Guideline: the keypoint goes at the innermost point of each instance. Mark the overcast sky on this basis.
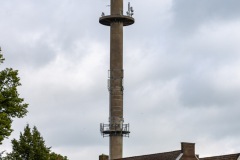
(181, 62)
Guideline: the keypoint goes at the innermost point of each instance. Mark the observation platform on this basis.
(114, 130)
(107, 20)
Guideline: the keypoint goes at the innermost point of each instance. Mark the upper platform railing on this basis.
(125, 19)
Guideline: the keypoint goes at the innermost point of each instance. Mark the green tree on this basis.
(31, 146)
(1, 153)
(11, 105)
(54, 156)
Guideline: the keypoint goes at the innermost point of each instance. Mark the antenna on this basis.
(130, 11)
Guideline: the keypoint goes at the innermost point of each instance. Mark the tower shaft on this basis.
(116, 86)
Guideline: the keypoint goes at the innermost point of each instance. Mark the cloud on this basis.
(211, 65)
(189, 15)
(181, 61)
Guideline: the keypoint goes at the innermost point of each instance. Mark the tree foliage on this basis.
(54, 156)
(31, 146)
(11, 105)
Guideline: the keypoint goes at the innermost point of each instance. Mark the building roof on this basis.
(223, 157)
(159, 156)
(187, 152)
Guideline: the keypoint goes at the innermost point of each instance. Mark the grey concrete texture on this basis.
(116, 7)
(116, 147)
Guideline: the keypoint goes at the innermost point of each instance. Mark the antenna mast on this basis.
(116, 129)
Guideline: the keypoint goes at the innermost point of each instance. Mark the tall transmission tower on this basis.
(116, 129)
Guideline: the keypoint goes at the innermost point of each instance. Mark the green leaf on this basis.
(11, 105)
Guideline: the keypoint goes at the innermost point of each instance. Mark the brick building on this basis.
(187, 152)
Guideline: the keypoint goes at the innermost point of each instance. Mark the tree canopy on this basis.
(31, 146)
(11, 105)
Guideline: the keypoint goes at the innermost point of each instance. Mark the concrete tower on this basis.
(116, 129)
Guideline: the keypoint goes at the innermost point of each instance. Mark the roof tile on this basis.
(159, 156)
(223, 157)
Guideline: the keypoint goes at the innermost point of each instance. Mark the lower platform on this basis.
(114, 130)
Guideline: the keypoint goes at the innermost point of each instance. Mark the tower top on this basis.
(117, 15)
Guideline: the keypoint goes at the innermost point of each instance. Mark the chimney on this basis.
(188, 151)
(103, 157)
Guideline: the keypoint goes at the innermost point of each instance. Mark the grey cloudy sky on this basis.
(182, 79)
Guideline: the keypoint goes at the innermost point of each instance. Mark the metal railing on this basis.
(114, 130)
